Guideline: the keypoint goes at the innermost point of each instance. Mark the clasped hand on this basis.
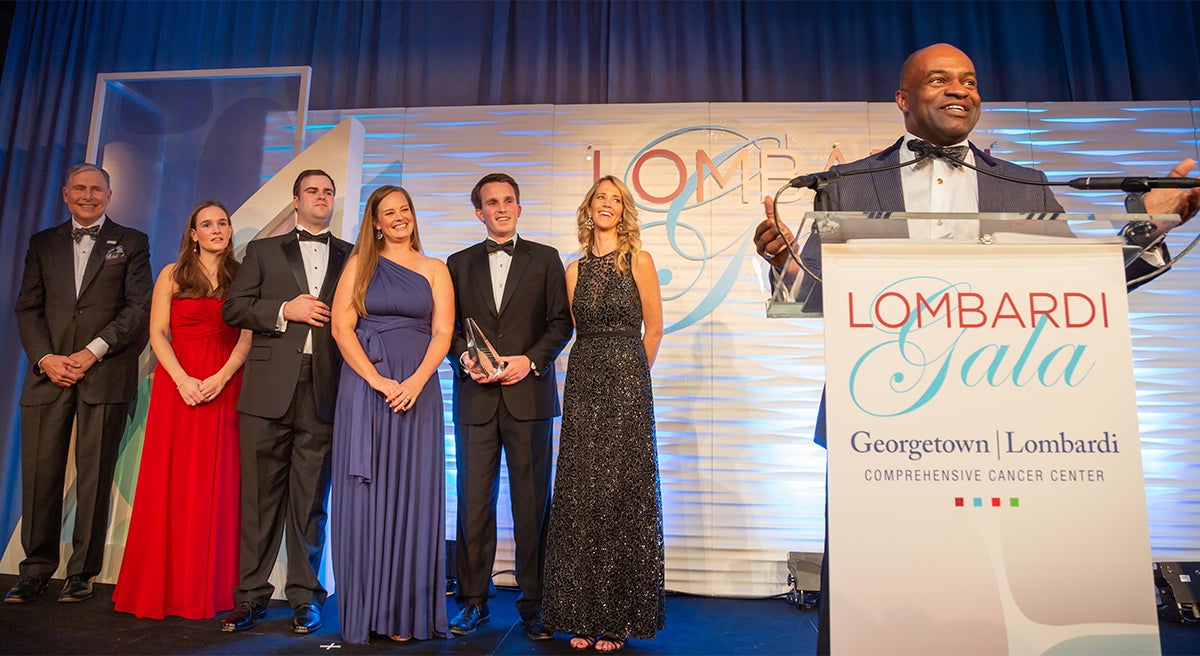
(66, 370)
(195, 391)
(399, 395)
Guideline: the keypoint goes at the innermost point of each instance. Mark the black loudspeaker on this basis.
(804, 575)
(1178, 586)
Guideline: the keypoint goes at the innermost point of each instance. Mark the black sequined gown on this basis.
(604, 549)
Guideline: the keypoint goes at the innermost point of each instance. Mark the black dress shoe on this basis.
(534, 629)
(26, 590)
(307, 618)
(76, 589)
(469, 618)
(243, 616)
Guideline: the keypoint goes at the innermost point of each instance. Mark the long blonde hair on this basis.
(368, 248)
(629, 231)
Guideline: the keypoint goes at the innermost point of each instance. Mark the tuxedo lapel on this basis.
(991, 196)
(337, 257)
(291, 253)
(520, 262)
(480, 272)
(107, 240)
(62, 261)
(888, 188)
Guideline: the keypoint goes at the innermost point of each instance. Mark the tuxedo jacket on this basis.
(113, 304)
(534, 319)
(272, 272)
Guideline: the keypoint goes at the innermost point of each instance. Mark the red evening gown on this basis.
(181, 555)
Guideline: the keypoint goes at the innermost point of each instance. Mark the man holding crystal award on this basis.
(512, 319)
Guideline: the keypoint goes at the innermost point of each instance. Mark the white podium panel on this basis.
(985, 478)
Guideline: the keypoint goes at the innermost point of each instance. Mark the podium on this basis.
(802, 298)
(985, 483)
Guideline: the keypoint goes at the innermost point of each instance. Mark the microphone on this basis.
(1134, 184)
(813, 180)
(922, 148)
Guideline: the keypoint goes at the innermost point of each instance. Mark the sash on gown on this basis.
(366, 421)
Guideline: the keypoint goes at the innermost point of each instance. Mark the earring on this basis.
(378, 235)
(197, 244)
(588, 224)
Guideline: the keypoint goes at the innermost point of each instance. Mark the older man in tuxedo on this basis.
(515, 290)
(282, 292)
(83, 313)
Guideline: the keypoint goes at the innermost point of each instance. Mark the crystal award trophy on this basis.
(487, 363)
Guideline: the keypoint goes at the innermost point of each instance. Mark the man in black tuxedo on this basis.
(939, 97)
(83, 313)
(516, 292)
(282, 293)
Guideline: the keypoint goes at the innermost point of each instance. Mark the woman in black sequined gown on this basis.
(604, 549)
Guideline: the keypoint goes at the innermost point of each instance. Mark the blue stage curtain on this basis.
(438, 53)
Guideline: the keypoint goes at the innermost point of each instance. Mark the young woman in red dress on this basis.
(181, 554)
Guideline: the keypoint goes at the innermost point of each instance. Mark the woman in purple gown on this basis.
(393, 315)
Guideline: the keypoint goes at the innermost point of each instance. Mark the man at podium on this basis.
(939, 98)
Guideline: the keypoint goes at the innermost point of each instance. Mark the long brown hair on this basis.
(368, 248)
(190, 281)
(629, 231)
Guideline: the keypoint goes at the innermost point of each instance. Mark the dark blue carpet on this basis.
(695, 625)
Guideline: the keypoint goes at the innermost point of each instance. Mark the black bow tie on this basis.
(305, 235)
(78, 233)
(492, 246)
(953, 154)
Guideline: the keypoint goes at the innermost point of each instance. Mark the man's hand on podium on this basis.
(1184, 202)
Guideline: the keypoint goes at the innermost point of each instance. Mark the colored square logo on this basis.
(978, 502)
(1014, 502)
(995, 502)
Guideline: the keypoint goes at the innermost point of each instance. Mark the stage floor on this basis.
(695, 625)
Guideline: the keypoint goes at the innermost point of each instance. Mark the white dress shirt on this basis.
(315, 255)
(936, 185)
(83, 251)
(499, 263)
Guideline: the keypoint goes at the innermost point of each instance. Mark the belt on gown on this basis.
(365, 423)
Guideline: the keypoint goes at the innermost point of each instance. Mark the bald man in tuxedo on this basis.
(939, 98)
